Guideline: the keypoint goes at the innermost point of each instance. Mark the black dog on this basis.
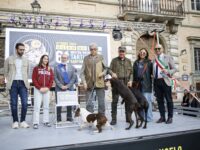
(128, 98)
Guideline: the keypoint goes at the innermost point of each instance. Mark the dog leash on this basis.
(89, 101)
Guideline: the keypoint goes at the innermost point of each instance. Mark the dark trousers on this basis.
(162, 90)
(59, 110)
(18, 88)
(69, 112)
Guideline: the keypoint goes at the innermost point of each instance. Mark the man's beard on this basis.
(20, 54)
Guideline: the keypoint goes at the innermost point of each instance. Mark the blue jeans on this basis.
(148, 96)
(18, 88)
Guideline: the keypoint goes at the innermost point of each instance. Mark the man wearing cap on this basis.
(92, 75)
(163, 69)
(121, 68)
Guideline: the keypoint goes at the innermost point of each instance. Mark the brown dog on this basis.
(92, 119)
(144, 105)
(129, 98)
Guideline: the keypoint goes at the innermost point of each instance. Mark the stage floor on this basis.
(14, 139)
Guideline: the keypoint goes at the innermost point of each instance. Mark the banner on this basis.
(55, 43)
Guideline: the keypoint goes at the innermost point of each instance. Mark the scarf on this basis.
(64, 74)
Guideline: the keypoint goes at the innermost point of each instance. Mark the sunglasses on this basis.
(157, 49)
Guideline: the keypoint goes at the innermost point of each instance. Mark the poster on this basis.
(54, 43)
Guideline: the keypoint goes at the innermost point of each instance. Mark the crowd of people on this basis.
(146, 74)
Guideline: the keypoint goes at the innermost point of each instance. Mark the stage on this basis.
(183, 127)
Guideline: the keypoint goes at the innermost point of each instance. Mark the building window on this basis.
(197, 59)
(195, 4)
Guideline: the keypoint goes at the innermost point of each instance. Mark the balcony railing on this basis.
(158, 7)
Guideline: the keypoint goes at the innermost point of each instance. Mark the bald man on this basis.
(65, 78)
(163, 69)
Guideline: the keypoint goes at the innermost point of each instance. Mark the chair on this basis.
(66, 98)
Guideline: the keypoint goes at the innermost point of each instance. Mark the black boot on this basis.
(114, 121)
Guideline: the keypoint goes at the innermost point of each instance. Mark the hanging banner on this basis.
(55, 43)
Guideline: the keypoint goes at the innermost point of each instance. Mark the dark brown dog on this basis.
(128, 98)
(144, 105)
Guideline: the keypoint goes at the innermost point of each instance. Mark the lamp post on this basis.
(36, 10)
(35, 7)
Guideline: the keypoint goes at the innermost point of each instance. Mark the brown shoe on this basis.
(169, 120)
(161, 120)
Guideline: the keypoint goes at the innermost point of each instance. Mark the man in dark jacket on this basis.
(121, 68)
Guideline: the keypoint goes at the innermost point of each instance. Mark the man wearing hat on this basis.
(121, 68)
(163, 69)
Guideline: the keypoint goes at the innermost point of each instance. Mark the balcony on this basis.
(160, 11)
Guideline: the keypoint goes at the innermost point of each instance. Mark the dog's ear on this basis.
(77, 112)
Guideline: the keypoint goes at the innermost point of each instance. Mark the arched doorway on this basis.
(146, 41)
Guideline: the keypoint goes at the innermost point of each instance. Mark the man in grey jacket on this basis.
(16, 69)
(65, 78)
(163, 69)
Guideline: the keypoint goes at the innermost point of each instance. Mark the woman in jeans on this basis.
(142, 69)
(42, 78)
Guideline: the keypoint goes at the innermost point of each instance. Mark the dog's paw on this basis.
(79, 129)
(96, 131)
(112, 128)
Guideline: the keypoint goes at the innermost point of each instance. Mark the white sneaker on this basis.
(15, 125)
(24, 125)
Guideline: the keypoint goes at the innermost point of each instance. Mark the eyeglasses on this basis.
(121, 51)
(93, 49)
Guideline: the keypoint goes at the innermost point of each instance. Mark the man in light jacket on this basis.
(92, 76)
(16, 69)
(163, 69)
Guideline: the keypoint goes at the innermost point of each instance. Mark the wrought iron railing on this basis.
(158, 7)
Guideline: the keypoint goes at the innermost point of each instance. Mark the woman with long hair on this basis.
(42, 78)
(142, 78)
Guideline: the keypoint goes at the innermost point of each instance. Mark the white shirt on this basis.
(159, 70)
(18, 64)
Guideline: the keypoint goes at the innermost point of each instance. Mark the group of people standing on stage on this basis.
(144, 72)
(16, 72)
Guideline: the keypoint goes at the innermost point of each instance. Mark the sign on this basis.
(55, 43)
(143, 26)
(185, 77)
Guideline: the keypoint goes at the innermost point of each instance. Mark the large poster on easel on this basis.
(55, 43)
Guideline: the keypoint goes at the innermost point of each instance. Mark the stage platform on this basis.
(72, 138)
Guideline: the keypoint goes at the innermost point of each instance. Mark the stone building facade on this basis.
(181, 38)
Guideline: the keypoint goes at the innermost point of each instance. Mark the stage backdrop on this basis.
(55, 43)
